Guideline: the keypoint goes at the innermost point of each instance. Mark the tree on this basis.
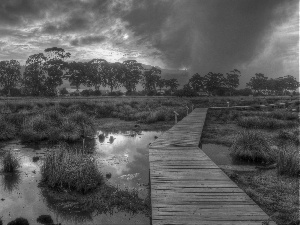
(10, 75)
(55, 66)
(64, 91)
(131, 74)
(214, 82)
(113, 75)
(161, 83)
(97, 72)
(232, 80)
(290, 83)
(172, 84)
(151, 79)
(258, 83)
(197, 82)
(35, 75)
(76, 73)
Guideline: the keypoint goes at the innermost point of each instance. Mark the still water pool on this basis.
(122, 158)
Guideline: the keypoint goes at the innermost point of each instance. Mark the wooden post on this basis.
(187, 110)
(176, 114)
(192, 107)
(227, 104)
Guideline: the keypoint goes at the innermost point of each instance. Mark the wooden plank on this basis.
(188, 188)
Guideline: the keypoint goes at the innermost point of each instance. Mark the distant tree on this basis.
(290, 83)
(97, 72)
(197, 82)
(232, 80)
(114, 75)
(131, 74)
(161, 83)
(76, 73)
(55, 66)
(258, 83)
(35, 75)
(214, 82)
(189, 90)
(64, 91)
(150, 79)
(172, 84)
(10, 75)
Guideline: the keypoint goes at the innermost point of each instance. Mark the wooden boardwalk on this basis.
(188, 188)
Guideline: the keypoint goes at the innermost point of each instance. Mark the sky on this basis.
(253, 36)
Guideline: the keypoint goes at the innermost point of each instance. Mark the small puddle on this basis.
(220, 155)
(123, 158)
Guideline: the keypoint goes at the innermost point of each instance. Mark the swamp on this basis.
(86, 161)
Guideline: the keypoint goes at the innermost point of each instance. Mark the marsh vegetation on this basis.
(269, 141)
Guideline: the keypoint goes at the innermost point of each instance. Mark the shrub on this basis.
(7, 130)
(252, 146)
(35, 129)
(10, 162)
(69, 131)
(54, 116)
(74, 171)
(283, 115)
(105, 110)
(288, 162)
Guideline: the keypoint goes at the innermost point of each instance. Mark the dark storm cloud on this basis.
(17, 11)
(206, 35)
(88, 40)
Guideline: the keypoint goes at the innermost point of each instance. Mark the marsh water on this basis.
(220, 155)
(122, 158)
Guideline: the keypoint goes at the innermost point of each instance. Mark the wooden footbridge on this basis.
(188, 188)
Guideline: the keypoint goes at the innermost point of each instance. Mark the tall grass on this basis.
(265, 123)
(288, 136)
(252, 146)
(10, 162)
(288, 162)
(63, 168)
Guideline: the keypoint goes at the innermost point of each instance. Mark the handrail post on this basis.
(192, 107)
(187, 110)
(176, 114)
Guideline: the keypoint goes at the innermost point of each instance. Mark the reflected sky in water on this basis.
(123, 155)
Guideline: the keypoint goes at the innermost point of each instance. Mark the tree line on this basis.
(218, 84)
(44, 72)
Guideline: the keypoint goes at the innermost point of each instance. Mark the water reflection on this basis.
(124, 199)
(66, 206)
(10, 181)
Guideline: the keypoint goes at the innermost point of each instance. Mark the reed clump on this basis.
(251, 145)
(288, 161)
(75, 171)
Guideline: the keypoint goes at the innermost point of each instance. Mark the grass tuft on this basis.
(74, 171)
(288, 162)
(252, 146)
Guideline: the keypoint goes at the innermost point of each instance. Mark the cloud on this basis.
(208, 35)
(88, 40)
(201, 35)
